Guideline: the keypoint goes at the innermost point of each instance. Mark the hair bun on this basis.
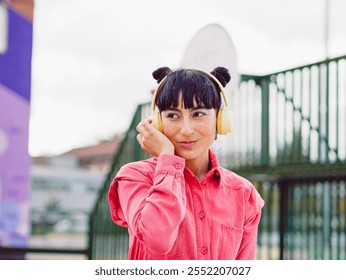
(160, 73)
(222, 74)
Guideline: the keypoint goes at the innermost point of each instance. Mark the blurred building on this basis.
(97, 157)
(65, 187)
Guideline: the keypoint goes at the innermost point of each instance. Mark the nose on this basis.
(187, 127)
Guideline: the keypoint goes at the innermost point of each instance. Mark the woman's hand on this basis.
(153, 141)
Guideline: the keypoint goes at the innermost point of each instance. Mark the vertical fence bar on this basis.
(309, 114)
(320, 136)
(310, 221)
(292, 132)
(247, 125)
(265, 123)
(334, 221)
(283, 217)
(284, 137)
(327, 111)
(304, 219)
(277, 125)
(261, 232)
(299, 116)
(270, 213)
(326, 219)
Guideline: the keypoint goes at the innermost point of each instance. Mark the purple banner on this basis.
(14, 169)
(15, 162)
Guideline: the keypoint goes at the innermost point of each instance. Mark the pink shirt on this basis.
(170, 214)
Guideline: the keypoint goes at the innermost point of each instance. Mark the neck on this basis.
(199, 167)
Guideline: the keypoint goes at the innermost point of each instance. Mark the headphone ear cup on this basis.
(224, 121)
(156, 121)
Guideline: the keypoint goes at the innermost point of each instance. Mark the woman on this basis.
(181, 204)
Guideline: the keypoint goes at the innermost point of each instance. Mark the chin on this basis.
(187, 155)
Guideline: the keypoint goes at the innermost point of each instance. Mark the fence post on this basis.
(137, 148)
(90, 236)
(265, 122)
(283, 188)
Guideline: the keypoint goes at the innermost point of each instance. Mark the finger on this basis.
(140, 127)
(145, 128)
(139, 138)
(143, 123)
(139, 124)
(146, 122)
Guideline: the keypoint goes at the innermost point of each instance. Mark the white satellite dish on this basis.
(212, 46)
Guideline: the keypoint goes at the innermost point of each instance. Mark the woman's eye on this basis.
(172, 116)
(199, 114)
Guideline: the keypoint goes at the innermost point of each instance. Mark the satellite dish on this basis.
(212, 46)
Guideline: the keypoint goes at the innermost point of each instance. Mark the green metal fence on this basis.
(290, 141)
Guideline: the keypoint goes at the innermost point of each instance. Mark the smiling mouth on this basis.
(187, 144)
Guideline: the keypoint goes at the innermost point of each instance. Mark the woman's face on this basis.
(192, 131)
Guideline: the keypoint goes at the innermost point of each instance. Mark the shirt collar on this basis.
(214, 162)
(215, 167)
(214, 173)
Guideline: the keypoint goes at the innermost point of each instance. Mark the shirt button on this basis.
(217, 173)
(204, 250)
(140, 235)
(201, 215)
(177, 166)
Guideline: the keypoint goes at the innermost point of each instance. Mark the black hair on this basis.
(194, 85)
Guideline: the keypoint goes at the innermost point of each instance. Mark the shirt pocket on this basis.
(230, 242)
(177, 248)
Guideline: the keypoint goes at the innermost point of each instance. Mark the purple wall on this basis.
(15, 86)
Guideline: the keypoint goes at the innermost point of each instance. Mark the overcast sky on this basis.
(92, 60)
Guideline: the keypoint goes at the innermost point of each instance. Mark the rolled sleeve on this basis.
(151, 203)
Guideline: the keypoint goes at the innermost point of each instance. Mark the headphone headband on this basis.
(221, 87)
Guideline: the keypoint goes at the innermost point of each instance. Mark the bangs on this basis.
(194, 87)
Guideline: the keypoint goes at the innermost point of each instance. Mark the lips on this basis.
(187, 144)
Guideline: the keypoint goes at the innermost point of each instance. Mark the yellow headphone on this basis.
(224, 122)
